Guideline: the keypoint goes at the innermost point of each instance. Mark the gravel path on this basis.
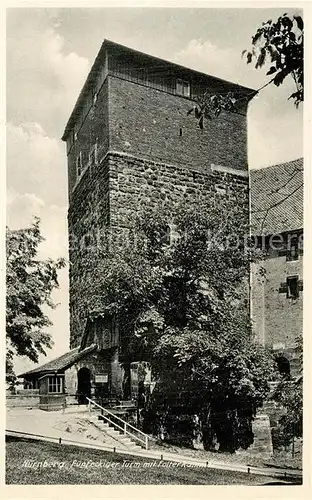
(71, 425)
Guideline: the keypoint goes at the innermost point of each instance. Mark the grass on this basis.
(281, 459)
(62, 464)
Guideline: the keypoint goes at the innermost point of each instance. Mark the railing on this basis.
(122, 426)
(172, 457)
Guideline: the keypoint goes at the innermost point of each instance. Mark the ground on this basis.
(62, 464)
(280, 459)
(73, 424)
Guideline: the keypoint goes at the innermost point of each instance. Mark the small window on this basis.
(79, 165)
(169, 235)
(183, 88)
(292, 287)
(166, 235)
(293, 248)
(221, 189)
(93, 155)
(55, 384)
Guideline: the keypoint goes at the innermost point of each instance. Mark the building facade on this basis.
(277, 280)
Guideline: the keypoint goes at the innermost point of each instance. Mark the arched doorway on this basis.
(283, 366)
(84, 385)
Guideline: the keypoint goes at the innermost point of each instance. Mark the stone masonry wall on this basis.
(97, 363)
(277, 319)
(149, 150)
(135, 183)
(88, 220)
(109, 196)
(155, 125)
(94, 129)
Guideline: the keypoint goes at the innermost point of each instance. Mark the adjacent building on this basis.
(277, 280)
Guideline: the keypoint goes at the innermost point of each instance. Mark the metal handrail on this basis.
(125, 424)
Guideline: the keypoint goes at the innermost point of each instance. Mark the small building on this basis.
(54, 382)
(87, 372)
(276, 294)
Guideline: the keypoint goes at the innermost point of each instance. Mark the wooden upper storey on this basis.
(116, 60)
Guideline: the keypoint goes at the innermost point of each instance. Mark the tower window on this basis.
(293, 248)
(166, 235)
(292, 287)
(79, 165)
(183, 88)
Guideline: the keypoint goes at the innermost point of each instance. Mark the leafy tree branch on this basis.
(29, 285)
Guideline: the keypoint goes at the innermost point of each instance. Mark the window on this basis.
(169, 234)
(293, 248)
(93, 155)
(220, 189)
(79, 165)
(292, 287)
(55, 384)
(166, 235)
(183, 88)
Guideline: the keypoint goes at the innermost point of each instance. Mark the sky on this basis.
(49, 54)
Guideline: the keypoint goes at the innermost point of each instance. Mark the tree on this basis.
(289, 395)
(180, 305)
(279, 43)
(29, 284)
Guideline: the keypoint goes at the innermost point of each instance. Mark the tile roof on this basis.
(276, 194)
(62, 362)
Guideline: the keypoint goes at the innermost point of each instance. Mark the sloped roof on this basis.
(277, 198)
(62, 362)
(108, 44)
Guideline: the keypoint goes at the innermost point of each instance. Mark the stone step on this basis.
(116, 434)
(125, 439)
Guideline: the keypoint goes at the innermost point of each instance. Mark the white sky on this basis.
(49, 54)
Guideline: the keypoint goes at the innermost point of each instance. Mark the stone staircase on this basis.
(122, 440)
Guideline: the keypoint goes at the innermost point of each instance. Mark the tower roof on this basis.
(118, 48)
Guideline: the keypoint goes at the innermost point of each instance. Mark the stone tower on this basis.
(131, 141)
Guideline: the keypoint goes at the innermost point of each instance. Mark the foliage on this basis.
(210, 105)
(29, 284)
(281, 43)
(223, 381)
(289, 394)
(184, 306)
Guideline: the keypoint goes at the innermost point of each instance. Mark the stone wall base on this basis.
(262, 445)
